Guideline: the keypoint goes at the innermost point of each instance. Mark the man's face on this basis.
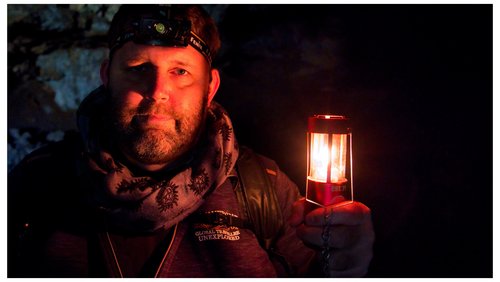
(159, 100)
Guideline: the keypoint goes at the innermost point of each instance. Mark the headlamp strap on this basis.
(201, 46)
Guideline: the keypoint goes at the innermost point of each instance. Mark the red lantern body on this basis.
(329, 160)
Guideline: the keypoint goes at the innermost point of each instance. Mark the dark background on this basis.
(416, 80)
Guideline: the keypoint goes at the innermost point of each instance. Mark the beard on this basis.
(160, 143)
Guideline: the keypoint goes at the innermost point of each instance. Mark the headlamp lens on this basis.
(160, 28)
(163, 32)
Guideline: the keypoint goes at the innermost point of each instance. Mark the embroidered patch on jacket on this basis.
(218, 229)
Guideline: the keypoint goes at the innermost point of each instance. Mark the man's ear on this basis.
(105, 72)
(214, 85)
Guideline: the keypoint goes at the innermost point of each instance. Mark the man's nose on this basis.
(160, 88)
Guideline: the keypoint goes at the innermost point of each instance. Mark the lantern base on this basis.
(325, 194)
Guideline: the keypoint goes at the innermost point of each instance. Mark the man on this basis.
(149, 188)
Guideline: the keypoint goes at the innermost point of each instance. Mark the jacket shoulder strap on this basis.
(257, 196)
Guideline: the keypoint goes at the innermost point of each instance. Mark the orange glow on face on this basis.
(322, 158)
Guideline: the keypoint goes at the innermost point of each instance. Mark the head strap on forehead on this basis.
(162, 31)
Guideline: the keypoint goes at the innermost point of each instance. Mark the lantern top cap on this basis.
(337, 117)
(329, 124)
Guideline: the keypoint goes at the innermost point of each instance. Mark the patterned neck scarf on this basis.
(142, 203)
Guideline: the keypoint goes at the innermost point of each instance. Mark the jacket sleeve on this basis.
(26, 204)
(34, 189)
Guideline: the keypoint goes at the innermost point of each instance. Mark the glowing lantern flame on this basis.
(329, 173)
(321, 158)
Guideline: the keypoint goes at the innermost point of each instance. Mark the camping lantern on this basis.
(329, 160)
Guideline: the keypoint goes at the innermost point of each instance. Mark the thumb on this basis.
(297, 216)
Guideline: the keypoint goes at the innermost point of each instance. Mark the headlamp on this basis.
(163, 32)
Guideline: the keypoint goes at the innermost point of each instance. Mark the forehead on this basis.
(131, 51)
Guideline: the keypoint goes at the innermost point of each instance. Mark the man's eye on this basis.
(180, 71)
(140, 68)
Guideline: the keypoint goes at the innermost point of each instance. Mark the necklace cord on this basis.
(166, 253)
(115, 257)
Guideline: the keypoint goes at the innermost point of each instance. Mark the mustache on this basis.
(152, 108)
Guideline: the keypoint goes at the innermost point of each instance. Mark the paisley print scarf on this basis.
(142, 203)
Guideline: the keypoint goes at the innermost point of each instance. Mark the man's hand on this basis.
(350, 237)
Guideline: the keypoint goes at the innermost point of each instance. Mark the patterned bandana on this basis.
(145, 203)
